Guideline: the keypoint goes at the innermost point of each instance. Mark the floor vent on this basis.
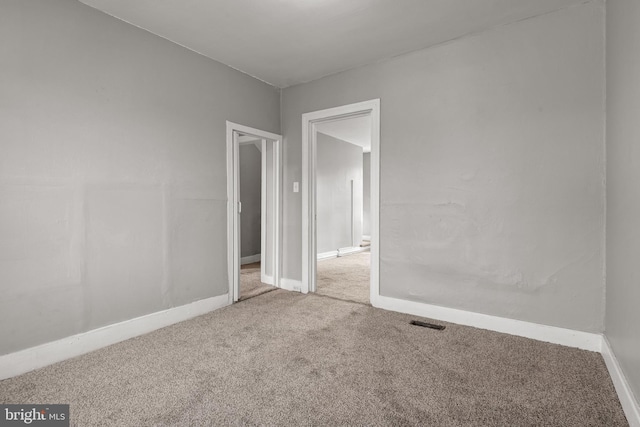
(427, 325)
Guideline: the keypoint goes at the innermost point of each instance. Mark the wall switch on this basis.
(296, 187)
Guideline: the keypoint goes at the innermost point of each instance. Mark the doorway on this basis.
(343, 257)
(311, 123)
(253, 258)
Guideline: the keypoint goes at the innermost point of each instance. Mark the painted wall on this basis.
(113, 170)
(492, 163)
(250, 164)
(623, 193)
(337, 163)
(366, 194)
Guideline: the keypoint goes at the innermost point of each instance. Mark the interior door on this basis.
(237, 210)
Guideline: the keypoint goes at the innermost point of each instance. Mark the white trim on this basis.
(374, 210)
(263, 208)
(568, 337)
(233, 235)
(276, 211)
(250, 259)
(366, 238)
(43, 355)
(309, 249)
(268, 280)
(352, 250)
(342, 252)
(290, 284)
(308, 206)
(625, 394)
(232, 254)
(327, 255)
(551, 334)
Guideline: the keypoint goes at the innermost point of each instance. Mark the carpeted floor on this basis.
(250, 284)
(346, 278)
(284, 358)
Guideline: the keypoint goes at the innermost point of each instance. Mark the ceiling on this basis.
(354, 130)
(286, 42)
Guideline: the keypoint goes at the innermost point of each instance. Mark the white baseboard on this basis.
(366, 238)
(267, 279)
(249, 259)
(552, 334)
(290, 284)
(342, 252)
(40, 356)
(352, 250)
(625, 394)
(327, 255)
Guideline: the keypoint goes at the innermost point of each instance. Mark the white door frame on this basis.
(233, 200)
(309, 250)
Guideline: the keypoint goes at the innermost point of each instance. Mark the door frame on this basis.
(309, 153)
(233, 200)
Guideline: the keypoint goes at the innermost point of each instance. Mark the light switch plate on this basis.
(296, 187)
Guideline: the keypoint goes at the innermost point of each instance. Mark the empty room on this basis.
(319, 212)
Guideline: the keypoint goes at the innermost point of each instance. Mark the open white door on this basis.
(237, 211)
(270, 205)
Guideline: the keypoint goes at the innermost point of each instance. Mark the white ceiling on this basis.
(356, 131)
(286, 42)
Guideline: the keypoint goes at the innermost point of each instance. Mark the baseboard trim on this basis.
(342, 252)
(43, 355)
(366, 238)
(327, 255)
(552, 334)
(625, 394)
(290, 284)
(267, 279)
(352, 250)
(250, 259)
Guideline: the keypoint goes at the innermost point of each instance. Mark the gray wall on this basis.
(366, 194)
(623, 192)
(338, 162)
(250, 164)
(113, 171)
(492, 163)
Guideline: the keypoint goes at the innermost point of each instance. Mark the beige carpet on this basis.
(250, 284)
(289, 359)
(346, 278)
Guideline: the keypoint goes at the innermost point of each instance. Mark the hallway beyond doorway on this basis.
(346, 277)
(250, 284)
